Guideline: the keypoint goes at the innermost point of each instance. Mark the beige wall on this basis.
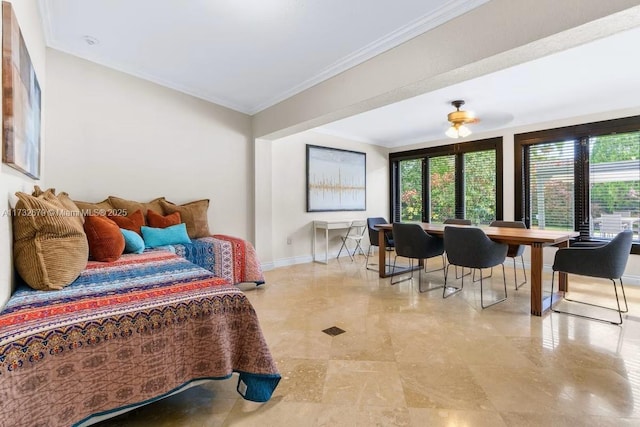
(290, 220)
(11, 180)
(113, 134)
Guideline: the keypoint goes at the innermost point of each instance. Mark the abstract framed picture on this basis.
(21, 100)
(336, 179)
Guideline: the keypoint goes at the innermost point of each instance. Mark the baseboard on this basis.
(285, 262)
(266, 266)
(632, 280)
(304, 259)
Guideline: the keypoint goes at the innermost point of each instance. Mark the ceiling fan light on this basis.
(452, 132)
(463, 131)
(458, 120)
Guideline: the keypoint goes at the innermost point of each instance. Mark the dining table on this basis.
(537, 239)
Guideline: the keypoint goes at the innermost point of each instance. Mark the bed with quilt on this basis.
(225, 256)
(127, 333)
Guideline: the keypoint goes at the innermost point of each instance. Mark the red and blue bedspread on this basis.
(225, 256)
(125, 333)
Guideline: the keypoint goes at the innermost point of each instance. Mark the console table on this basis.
(326, 226)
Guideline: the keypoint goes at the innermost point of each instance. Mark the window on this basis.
(614, 183)
(453, 181)
(480, 186)
(442, 185)
(411, 190)
(584, 178)
(551, 185)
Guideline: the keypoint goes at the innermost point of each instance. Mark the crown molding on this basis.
(446, 12)
(424, 23)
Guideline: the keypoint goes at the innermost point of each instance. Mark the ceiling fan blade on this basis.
(496, 118)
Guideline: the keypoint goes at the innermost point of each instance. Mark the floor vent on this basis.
(333, 331)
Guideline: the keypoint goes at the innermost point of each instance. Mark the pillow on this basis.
(97, 208)
(64, 198)
(106, 242)
(133, 243)
(37, 191)
(50, 246)
(159, 221)
(73, 209)
(193, 214)
(132, 222)
(129, 206)
(173, 235)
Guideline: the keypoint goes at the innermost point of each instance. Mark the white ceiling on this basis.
(248, 55)
(243, 54)
(600, 76)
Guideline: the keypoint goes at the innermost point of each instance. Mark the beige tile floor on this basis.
(410, 359)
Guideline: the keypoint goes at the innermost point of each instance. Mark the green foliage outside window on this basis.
(411, 190)
(623, 194)
(480, 186)
(443, 188)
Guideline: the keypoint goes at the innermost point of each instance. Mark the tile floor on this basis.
(410, 359)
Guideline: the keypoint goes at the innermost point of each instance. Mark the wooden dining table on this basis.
(535, 238)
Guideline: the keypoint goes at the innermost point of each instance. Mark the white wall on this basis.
(290, 220)
(113, 134)
(11, 180)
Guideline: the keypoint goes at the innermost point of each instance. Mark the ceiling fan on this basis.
(458, 120)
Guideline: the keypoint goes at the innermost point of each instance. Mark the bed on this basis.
(124, 334)
(225, 256)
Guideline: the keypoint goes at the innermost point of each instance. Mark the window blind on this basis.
(442, 188)
(411, 190)
(480, 186)
(614, 183)
(551, 185)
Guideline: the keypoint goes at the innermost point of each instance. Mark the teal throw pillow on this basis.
(173, 235)
(133, 243)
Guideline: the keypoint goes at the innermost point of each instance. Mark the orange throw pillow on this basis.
(132, 222)
(159, 221)
(106, 242)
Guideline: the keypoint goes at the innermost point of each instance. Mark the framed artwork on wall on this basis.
(336, 179)
(21, 100)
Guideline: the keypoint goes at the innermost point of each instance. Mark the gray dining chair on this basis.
(412, 242)
(470, 247)
(514, 250)
(457, 221)
(373, 239)
(607, 262)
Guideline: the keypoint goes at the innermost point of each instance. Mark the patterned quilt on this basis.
(124, 333)
(228, 257)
